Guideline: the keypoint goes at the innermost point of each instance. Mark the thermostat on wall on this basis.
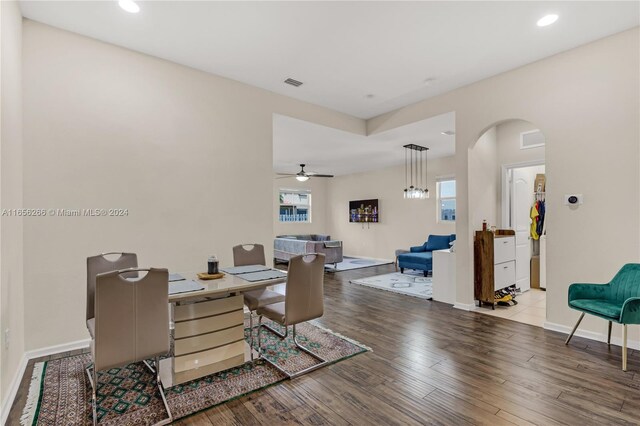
(573, 199)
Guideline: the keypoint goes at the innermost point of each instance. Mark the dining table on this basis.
(208, 324)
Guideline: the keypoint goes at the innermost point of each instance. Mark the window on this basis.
(295, 206)
(446, 191)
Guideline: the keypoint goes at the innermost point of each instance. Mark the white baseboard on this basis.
(26, 357)
(13, 390)
(591, 335)
(56, 349)
(464, 306)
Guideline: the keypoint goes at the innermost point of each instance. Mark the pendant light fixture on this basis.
(415, 168)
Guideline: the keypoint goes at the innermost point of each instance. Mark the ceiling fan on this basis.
(302, 176)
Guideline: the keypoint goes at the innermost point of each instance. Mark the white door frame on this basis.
(505, 186)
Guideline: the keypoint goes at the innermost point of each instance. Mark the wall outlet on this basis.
(6, 339)
(573, 199)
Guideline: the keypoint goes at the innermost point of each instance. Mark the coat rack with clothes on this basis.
(538, 212)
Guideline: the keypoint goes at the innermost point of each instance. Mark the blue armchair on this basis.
(618, 301)
(420, 257)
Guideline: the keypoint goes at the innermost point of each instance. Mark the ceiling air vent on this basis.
(293, 82)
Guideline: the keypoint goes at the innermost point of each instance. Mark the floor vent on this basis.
(293, 82)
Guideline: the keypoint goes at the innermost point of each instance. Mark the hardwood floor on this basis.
(432, 364)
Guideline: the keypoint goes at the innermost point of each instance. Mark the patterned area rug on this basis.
(349, 263)
(409, 283)
(60, 393)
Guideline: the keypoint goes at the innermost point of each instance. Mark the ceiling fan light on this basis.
(302, 178)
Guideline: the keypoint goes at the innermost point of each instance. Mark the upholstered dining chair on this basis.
(617, 301)
(253, 254)
(304, 301)
(131, 324)
(98, 265)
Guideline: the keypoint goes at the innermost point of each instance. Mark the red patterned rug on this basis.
(60, 393)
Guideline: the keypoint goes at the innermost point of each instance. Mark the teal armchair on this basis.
(618, 301)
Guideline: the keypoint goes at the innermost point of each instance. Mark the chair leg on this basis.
(259, 329)
(609, 334)
(164, 398)
(93, 381)
(251, 334)
(322, 363)
(574, 329)
(276, 332)
(624, 347)
(150, 367)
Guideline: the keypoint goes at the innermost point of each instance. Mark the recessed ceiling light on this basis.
(370, 96)
(129, 5)
(448, 133)
(547, 20)
(429, 81)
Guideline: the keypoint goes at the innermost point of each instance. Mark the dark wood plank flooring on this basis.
(432, 364)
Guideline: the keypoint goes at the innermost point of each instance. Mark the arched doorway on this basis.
(507, 185)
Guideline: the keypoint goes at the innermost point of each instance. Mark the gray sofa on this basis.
(287, 246)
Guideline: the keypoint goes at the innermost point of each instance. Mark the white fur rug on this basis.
(410, 284)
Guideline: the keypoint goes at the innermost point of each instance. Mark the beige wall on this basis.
(187, 153)
(499, 146)
(319, 204)
(508, 138)
(403, 223)
(11, 255)
(586, 103)
(484, 180)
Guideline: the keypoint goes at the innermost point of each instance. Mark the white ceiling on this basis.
(331, 151)
(343, 51)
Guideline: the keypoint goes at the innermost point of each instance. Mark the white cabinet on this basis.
(504, 274)
(504, 260)
(504, 249)
(444, 276)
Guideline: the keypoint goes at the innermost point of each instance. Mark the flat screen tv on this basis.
(364, 211)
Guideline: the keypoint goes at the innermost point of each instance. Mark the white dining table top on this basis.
(221, 286)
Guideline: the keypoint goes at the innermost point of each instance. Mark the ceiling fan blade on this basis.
(286, 174)
(318, 175)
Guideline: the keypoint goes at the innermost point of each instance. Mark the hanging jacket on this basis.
(541, 214)
(534, 221)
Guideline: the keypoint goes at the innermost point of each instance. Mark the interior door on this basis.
(521, 201)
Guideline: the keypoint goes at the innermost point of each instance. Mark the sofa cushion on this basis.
(421, 257)
(438, 242)
(600, 308)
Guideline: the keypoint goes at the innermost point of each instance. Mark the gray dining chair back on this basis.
(132, 317)
(131, 324)
(100, 264)
(303, 301)
(248, 254)
(304, 297)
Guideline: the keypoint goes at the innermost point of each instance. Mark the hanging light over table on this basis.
(415, 171)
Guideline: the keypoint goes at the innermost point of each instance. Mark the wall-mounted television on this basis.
(362, 211)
